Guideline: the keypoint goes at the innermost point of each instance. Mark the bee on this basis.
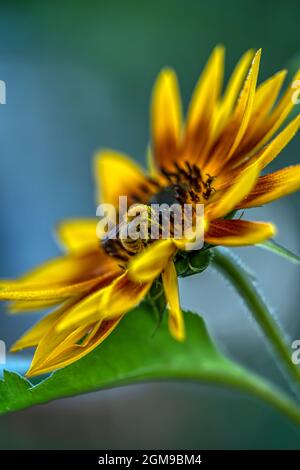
(129, 237)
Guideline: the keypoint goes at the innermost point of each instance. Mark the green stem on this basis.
(262, 390)
(239, 278)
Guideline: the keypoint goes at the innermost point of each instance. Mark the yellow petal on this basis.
(170, 283)
(118, 298)
(64, 270)
(151, 163)
(233, 88)
(227, 200)
(56, 271)
(264, 100)
(274, 148)
(266, 155)
(207, 90)
(203, 107)
(277, 117)
(265, 97)
(78, 234)
(55, 344)
(23, 306)
(117, 175)
(238, 232)
(15, 291)
(246, 100)
(35, 334)
(262, 158)
(123, 295)
(72, 351)
(233, 133)
(146, 266)
(166, 118)
(84, 313)
(273, 186)
(52, 281)
(245, 104)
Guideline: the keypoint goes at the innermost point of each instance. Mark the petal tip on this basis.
(177, 332)
(273, 230)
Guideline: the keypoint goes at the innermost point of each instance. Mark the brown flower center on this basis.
(187, 185)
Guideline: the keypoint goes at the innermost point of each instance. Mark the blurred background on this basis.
(79, 77)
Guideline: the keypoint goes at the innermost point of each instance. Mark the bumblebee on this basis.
(130, 236)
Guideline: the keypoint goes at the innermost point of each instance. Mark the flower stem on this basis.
(239, 278)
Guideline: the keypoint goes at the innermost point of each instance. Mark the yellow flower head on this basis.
(214, 157)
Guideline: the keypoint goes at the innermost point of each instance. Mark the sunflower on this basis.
(215, 157)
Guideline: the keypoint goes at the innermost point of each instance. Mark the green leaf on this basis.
(279, 250)
(14, 392)
(133, 354)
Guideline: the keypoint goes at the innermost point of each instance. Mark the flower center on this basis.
(194, 185)
(186, 185)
